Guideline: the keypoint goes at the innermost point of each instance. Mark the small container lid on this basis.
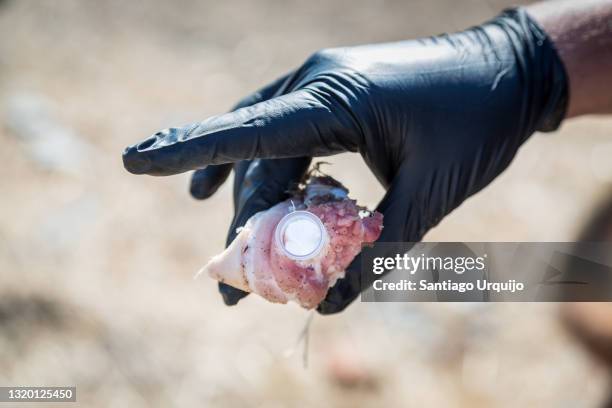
(301, 235)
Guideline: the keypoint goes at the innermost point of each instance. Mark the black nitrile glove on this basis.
(436, 120)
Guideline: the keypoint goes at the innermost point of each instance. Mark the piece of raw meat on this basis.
(299, 248)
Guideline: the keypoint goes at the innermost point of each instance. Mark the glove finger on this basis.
(230, 294)
(205, 182)
(298, 124)
(402, 222)
(275, 88)
(240, 170)
(265, 183)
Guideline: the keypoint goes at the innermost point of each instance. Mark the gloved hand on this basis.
(435, 119)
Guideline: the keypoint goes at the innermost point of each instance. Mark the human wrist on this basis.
(582, 34)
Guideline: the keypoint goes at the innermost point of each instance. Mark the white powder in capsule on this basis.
(301, 237)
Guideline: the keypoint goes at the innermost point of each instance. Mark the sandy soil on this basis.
(96, 265)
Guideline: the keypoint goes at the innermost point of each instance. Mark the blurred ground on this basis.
(96, 265)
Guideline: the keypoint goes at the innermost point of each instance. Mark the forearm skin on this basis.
(582, 33)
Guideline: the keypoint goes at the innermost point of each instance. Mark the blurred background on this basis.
(97, 265)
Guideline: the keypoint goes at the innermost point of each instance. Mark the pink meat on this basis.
(258, 254)
(254, 262)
